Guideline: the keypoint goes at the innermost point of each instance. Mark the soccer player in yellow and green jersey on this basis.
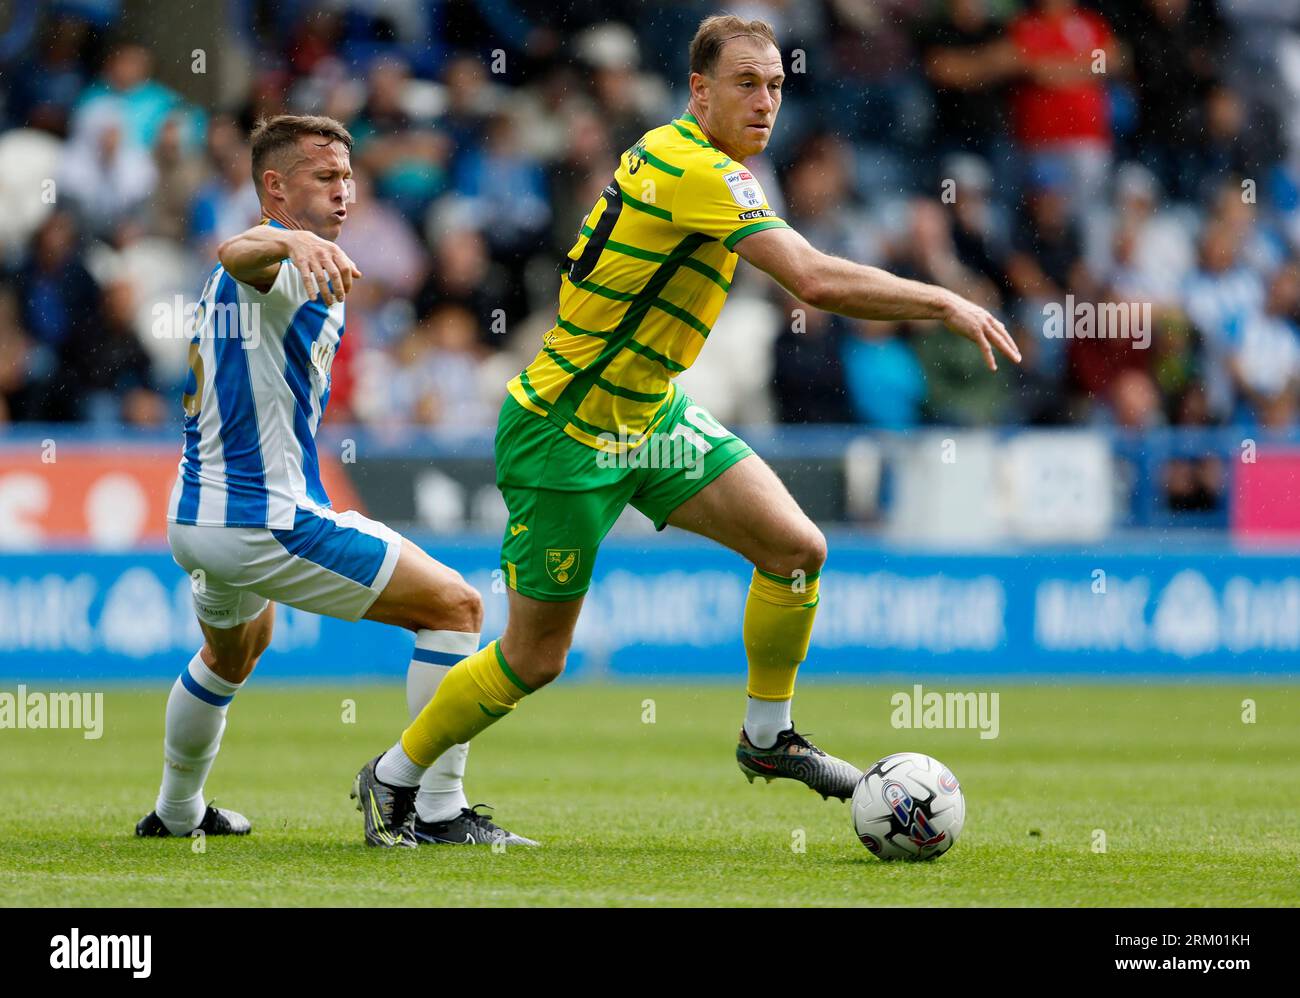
(644, 284)
(595, 422)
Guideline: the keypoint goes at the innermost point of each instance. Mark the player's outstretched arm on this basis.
(253, 258)
(853, 289)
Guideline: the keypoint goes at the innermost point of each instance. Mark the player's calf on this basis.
(538, 636)
(232, 653)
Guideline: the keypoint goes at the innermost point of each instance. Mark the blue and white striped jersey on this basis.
(258, 385)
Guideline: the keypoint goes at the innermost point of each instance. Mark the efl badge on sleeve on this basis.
(745, 189)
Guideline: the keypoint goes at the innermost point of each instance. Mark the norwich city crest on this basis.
(562, 563)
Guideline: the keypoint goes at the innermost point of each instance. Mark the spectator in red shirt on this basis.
(1060, 111)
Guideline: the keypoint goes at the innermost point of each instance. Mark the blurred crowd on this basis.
(1028, 155)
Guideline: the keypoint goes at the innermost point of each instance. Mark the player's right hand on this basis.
(982, 328)
(326, 270)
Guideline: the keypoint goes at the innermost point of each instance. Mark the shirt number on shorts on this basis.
(704, 422)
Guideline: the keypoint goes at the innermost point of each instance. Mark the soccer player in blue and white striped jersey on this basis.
(249, 518)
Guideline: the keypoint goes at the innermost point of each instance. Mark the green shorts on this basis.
(564, 496)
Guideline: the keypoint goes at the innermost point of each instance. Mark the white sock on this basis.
(765, 719)
(396, 768)
(442, 790)
(196, 718)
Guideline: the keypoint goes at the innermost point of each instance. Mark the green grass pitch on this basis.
(1197, 807)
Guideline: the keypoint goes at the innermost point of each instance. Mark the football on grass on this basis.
(908, 806)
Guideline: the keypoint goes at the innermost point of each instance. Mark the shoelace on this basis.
(484, 822)
(470, 815)
(803, 742)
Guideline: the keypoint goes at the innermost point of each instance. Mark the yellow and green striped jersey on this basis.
(644, 284)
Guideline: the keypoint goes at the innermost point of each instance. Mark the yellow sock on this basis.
(478, 690)
(779, 617)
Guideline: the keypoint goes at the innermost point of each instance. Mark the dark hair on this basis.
(273, 136)
(716, 31)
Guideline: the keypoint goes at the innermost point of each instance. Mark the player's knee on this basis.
(812, 549)
(538, 658)
(801, 549)
(546, 666)
(458, 607)
(466, 607)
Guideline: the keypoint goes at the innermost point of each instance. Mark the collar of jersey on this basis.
(693, 126)
(273, 223)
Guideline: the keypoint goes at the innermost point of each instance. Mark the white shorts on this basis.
(330, 563)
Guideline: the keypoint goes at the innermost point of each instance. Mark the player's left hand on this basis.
(982, 328)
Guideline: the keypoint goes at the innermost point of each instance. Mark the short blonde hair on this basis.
(715, 31)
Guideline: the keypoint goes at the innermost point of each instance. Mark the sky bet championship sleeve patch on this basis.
(745, 189)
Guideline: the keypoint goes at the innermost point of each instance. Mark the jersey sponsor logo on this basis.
(322, 359)
(745, 189)
(745, 216)
(562, 563)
